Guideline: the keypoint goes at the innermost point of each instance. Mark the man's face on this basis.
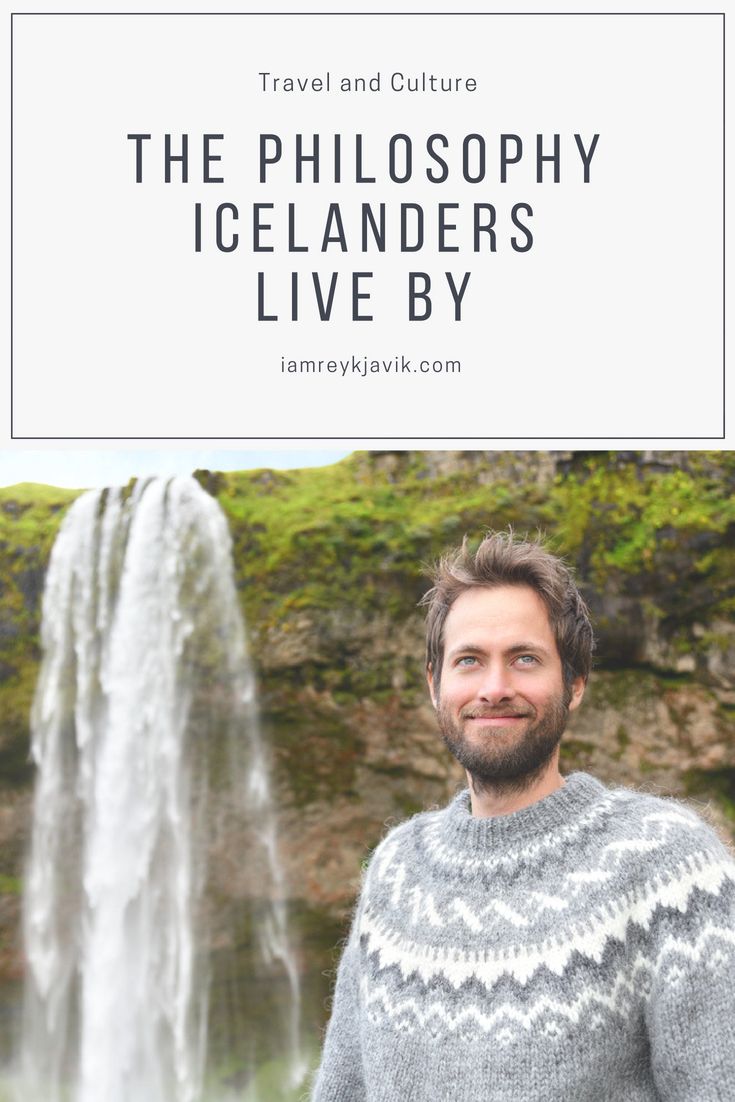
(502, 707)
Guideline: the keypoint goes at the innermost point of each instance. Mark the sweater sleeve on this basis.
(691, 1009)
(340, 1076)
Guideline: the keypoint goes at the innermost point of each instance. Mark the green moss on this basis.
(16, 696)
(364, 537)
(314, 749)
(577, 748)
(625, 519)
(717, 783)
(622, 739)
(615, 690)
(30, 515)
(408, 806)
(357, 534)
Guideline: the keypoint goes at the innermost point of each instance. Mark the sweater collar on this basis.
(563, 806)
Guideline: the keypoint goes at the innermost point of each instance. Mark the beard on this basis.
(495, 763)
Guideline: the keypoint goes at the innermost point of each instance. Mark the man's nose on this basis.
(496, 684)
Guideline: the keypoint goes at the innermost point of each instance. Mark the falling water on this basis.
(153, 850)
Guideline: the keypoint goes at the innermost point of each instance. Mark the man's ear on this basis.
(430, 683)
(578, 686)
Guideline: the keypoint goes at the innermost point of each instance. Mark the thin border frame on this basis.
(353, 436)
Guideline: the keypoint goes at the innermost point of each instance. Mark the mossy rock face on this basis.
(657, 535)
(30, 517)
(330, 565)
(315, 750)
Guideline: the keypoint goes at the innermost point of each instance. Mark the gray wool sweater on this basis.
(579, 950)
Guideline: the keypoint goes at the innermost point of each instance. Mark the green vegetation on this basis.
(356, 533)
(356, 536)
(670, 529)
(30, 516)
(370, 523)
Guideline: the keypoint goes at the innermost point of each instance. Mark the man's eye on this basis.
(526, 660)
(466, 660)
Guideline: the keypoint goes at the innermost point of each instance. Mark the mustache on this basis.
(495, 713)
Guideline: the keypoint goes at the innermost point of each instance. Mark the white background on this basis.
(611, 326)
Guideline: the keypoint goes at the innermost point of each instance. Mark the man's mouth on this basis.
(496, 721)
(496, 718)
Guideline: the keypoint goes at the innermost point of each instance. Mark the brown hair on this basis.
(503, 559)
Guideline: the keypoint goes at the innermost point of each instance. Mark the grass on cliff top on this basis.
(323, 537)
(358, 533)
(30, 514)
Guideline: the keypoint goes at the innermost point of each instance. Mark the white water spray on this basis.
(149, 766)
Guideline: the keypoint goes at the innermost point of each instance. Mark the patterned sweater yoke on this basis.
(579, 950)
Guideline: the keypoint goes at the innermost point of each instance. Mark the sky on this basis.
(89, 469)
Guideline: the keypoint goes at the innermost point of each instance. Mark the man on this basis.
(542, 937)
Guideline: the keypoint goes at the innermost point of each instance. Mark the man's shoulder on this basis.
(401, 838)
(649, 822)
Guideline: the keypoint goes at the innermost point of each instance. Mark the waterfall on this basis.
(153, 857)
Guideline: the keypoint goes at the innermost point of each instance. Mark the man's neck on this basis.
(503, 799)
